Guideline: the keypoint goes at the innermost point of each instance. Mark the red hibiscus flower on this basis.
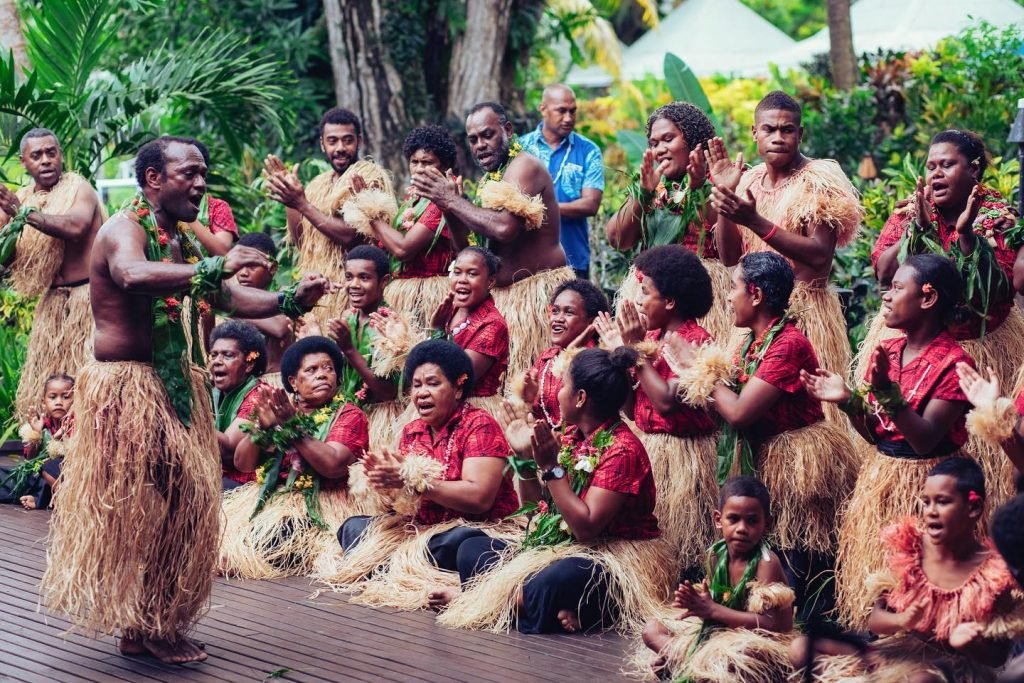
(542, 507)
(162, 238)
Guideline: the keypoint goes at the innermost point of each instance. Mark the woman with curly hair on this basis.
(418, 239)
(668, 204)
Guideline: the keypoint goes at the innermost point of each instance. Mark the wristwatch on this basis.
(556, 472)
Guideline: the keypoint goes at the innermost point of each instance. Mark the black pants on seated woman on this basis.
(576, 583)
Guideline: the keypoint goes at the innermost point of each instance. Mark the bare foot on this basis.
(28, 502)
(130, 644)
(442, 596)
(656, 636)
(181, 651)
(570, 620)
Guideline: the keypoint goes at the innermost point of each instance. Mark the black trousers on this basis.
(575, 583)
(443, 547)
(812, 577)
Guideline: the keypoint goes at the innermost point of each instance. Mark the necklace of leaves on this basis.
(731, 443)
(580, 460)
(410, 211)
(279, 443)
(668, 213)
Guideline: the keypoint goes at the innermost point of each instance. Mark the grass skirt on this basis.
(887, 489)
(903, 656)
(417, 297)
(810, 473)
(280, 540)
(136, 522)
(391, 566)
(726, 656)
(1002, 350)
(386, 423)
(820, 317)
(640, 577)
(61, 341)
(524, 305)
(718, 322)
(684, 475)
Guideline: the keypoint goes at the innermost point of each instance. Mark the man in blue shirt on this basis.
(576, 168)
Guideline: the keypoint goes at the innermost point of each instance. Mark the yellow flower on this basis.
(192, 259)
(321, 416)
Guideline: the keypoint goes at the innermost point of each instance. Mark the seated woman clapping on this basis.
(447, 481)
(302, 454)
(592, 555)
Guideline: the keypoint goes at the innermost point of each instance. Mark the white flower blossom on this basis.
(584, 465)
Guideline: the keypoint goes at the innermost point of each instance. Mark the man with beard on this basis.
(516, 210)
(576, 168)
(135, 531)
(54, 220)
(315, 224)
(798, 207)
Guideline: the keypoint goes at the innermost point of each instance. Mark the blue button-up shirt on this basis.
(574, 165)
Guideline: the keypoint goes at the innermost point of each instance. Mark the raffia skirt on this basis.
(718, 322)
(1003, 351)
(810, 473)
(417, 297)
(386, 422)
(60, 342)
(640, 577)
(887, 489)
(524, 306)
(281, 540)
(136, 522)
(684, 475)
(392, 567)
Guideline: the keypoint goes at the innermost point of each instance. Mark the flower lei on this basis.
(278, 443)
(984, 279)
(748, 358)
(547, 528)
(410, 211)
(10, 233)
(169, 338)
(720, 587)
(515, 148)
(667, 213)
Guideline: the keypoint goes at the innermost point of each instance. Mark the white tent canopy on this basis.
(907, 25)
(711, 36)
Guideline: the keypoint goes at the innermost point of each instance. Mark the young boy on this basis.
(744, 592)
(943, 606)
(278, 330)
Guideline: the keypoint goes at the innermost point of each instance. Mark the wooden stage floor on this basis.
(267, 630)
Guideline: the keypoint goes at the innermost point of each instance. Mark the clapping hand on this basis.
(696, 171)
(273, 407)
(650, 173)
(965, 222)
(979, 390)
(965, 633)
(9, 202)
(440, 189)
(679, 351)
(545, 447)
(724, 173)
(825, 386)
(518, 427)
(880, 369)
(911, 617)
(444, 313)
(340, 332)
(608, 331)
(383, 470)
(631, 327)
(695, 601)
(741, 210)
(923, 204)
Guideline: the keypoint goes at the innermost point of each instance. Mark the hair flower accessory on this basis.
(973, 497)
(252, 356)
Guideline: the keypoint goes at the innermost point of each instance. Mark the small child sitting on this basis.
(34, 480)
(727, 629)
(944, 611)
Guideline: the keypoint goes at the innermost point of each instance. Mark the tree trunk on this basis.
(365, 80)
(11, 37)
(476, 66)
(840, 33)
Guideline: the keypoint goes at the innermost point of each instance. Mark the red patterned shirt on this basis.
(897, 225)
(470, 433)
(549, 384)
(788, 353)
(625, 468)
(487, 334)
(931, 375)
(245, 411)
(434, 260)
(221, 217)
(682, 420)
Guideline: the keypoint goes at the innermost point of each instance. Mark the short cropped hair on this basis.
(492, 262)
(447, 355)
(745, 487)
(249, 340)
(679, 275)
(777, 100)
(36, 133)
(342, 117)
(258, 240)
(291, 361)
(594, 300)
(967, 473)
(151, 155)
(497, 108)
(376, 255)
(772, 274)
(1008, 534)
